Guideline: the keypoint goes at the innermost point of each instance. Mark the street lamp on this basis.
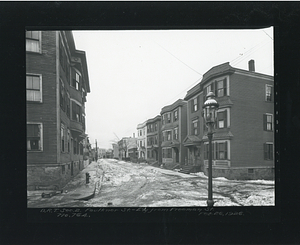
(210, 109)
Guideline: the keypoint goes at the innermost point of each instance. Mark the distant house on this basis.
(132, 149)
(243, 142)
(57, 84)
(142, 141)
(174, 131)
(101, 152)
(115, 151)
(153, 126)
(123, 148)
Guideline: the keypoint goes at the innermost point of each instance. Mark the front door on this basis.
(176, 155)
(72, 168)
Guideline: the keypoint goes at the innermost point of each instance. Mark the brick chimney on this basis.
(251, 65)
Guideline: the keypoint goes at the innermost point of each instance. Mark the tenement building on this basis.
(174, 131)
(141, 141)
(153, 126)
(57, 84)
(243, 142)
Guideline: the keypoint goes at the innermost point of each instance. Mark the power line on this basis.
(178, 58)
(267, 34)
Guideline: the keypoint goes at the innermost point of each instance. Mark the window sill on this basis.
(35, 151)
(34, 102)
(33, 52)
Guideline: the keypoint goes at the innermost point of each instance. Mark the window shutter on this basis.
(272, 94)
(191, 104)
(225, 118)
(212, 87)
(225, 86)
(73, 78)
(265, 122)
(265, 151)
(198, 127)
(198, 100)
(271, 151)
(216, 89)
(225, 150)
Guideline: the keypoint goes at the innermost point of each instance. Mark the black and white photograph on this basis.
(150, 118)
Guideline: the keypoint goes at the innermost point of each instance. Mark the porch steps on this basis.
(187, 169)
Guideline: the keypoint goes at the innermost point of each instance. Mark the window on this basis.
(206, 149)
(195, 104)
(269, 92)
(68, 139)
(167, 153)
(68, 105)
(175, 115)
(169, 135)
(155, 127)
(175, 133)
(268, 122)
(155, 140)
(76, 79)
(33, 88)
(62, 137)
(62, 95)
(33, 41)
(195, 127)
(63, 169)
(222, 119)
(76, 112)
(221, 151)
(268, 151)
(168, 117)
(221, 88)
(34, 137)
(75, 146)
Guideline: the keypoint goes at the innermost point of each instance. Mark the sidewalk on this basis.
(75, 191)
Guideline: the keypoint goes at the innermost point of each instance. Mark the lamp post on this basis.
(210, 109)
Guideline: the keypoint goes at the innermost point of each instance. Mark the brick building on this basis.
(57, 84)
(153, 137)
(174, 131)
(243, 141)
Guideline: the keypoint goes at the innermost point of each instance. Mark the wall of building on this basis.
(249, 105)
(45, 112)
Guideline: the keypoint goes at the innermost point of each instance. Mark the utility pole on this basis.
(96, 155)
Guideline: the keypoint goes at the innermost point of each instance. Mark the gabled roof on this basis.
(191, 140)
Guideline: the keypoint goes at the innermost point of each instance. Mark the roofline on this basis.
(157, 118)
(177, 103)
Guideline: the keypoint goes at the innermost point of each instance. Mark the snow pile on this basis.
(200, 174)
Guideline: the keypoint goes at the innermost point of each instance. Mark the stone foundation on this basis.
(243, 173)
(52, 177)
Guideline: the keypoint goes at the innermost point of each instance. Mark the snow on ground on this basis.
(172, 189)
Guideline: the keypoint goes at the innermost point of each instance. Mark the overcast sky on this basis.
(133, 74)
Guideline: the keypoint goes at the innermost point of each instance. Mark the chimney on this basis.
(251, 65)
(133, 135)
